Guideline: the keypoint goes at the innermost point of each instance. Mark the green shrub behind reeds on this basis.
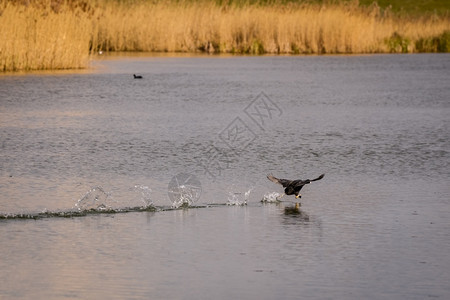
(440, 43)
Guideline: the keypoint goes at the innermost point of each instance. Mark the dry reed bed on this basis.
(49, 36)
(39, 38)
(259, 29)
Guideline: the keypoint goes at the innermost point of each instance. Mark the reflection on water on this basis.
(90, 156)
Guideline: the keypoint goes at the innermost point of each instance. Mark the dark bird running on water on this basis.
(293, 187)
(137, 76)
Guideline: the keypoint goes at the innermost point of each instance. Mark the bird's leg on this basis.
(298, 196)
(279, 197)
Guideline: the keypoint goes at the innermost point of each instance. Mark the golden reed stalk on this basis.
(51, 34)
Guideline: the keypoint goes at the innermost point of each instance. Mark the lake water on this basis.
(94, 163)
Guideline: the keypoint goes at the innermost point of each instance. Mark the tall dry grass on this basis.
(40, 36)
(293, 28)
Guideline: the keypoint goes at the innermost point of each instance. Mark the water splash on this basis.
(145, 194)
(271, 197)
(185, 196)
(184, 189)
(238, 198)
(95, 199)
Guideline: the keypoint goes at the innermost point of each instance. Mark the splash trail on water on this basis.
(97, 201)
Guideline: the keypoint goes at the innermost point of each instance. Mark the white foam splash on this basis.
(271, 197)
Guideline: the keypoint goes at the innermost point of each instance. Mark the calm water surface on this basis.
(376, 227)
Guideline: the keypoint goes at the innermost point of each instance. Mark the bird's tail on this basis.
(318, 178)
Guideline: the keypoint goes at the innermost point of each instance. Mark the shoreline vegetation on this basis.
(58, 34)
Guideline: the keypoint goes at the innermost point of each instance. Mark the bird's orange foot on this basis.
(298, 196)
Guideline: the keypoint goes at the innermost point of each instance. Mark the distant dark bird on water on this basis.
(292, 187)
(137, 76)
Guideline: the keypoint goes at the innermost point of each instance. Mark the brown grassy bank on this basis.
(48, 34)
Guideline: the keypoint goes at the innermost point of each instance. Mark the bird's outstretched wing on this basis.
(318, 178)
(283, 182)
